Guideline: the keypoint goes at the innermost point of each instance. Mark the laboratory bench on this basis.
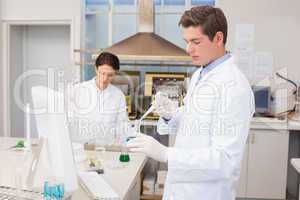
(125, 181)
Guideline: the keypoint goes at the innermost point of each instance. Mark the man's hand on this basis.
(148, 145)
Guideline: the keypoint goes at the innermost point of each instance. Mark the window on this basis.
(203, 2)
(123, 2)
(107, 24)
(96, 2)
(174, 2)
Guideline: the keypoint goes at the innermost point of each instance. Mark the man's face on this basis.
(105, 74)
(200, 47)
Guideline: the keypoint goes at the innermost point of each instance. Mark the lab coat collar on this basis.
(215, 63)
(96, 87)
(218, 68)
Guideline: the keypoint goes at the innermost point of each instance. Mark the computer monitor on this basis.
(262, 99)
(51, 125)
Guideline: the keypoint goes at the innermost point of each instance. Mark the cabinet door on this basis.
(241, 190)
(267, 164)
(135, 191)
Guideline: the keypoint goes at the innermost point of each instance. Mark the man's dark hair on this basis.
(209, 18)
(106, 58)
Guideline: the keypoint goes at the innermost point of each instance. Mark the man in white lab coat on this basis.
(212, 126)
(98, 108)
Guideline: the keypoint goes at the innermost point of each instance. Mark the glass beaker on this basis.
(53, 190)
(124, 156)
(21, 158)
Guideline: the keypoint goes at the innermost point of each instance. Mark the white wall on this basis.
(277, 27)
(40, 9)
(42, 12)
(45, 11)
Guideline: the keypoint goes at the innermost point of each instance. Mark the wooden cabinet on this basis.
(264, 167)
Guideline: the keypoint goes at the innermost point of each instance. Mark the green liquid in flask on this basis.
(124, 158)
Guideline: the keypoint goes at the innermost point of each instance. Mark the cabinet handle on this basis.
(253, 139)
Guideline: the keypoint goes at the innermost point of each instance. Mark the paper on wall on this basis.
(244, 38)
(245, 63)
(244, 48)
(263, 66)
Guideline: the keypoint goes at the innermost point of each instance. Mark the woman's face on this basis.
(105, 74)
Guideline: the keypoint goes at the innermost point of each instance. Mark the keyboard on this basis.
(96, 186)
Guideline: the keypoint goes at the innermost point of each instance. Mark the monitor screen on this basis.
(262, 96)
(52, 126)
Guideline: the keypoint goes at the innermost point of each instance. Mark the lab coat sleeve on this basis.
(221, 159)
(122, 113)
(170, 127)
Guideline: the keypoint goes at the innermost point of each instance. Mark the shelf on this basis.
(151, 197)
(146, 122)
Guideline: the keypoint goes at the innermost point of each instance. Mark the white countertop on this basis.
(294, 125)
(122, 180)
(269, 123)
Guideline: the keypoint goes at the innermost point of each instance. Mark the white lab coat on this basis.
(97, 115)
(212, 130)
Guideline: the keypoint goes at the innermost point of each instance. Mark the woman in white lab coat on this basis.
(213, 125)
(98, 108)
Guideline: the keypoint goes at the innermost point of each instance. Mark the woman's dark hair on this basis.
(106, 58)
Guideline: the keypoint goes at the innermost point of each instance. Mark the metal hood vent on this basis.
(146, 45)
